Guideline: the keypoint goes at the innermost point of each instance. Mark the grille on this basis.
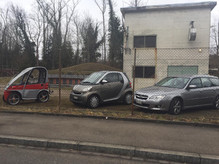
(76, 92)
(142, 97)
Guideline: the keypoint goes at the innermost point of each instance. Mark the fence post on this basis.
(133, 81)
(60, 70)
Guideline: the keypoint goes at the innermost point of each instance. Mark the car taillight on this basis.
(130, 84)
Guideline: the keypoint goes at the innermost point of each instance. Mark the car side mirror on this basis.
(192, 86)
(104, 81)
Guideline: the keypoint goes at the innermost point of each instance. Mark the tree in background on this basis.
(57, 17)
(136, 3)
(115, 39)
(28, 45)
(102, 6)
(89, 33)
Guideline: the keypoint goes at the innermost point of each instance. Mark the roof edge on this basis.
(209, 4)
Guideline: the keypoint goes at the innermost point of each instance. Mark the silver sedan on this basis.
(174, 94)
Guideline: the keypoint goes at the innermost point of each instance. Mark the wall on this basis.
(173, 45)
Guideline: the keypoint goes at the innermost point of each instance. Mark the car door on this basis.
(208, 92)
(35, 83)
(112, 87)
(193, 96)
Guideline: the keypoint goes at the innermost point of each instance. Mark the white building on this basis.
(169, 40)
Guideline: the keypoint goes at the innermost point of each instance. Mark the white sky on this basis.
(88, 7)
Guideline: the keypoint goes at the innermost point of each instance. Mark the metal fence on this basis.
(144, 67)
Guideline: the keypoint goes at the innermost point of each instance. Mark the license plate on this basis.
(75, 97)
(138, 101)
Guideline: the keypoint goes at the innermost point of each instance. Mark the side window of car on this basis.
(206, 82)
(34, 77)
(215, 81)
(197, 82)
(111, 77)
(120, 77)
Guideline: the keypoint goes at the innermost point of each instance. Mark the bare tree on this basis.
(137, 3)
(58, 15)
(215, 38)
(102, 6)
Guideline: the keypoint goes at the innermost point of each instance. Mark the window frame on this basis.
(144, 76)
(147, 42)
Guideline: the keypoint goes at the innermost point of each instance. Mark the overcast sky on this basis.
(88, 7)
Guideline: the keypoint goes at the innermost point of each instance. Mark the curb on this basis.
(112, 149)
(119, 119)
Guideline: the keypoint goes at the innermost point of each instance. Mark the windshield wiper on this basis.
(85, 82)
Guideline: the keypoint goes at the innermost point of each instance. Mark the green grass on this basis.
(84, 69)
(117, 110)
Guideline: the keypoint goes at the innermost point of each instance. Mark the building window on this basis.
(145, 72)
(145, 41)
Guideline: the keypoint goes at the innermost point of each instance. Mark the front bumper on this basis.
(152, 105)
(79, 98)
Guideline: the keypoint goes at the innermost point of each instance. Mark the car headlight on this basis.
(87, 89)
(157, 97)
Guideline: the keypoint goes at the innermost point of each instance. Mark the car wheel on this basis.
(14, 99)
(93, 101)
(176, 106)
(128, 98)
(216, 103)
(43, 96)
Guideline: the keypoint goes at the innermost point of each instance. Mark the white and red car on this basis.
(30, 84)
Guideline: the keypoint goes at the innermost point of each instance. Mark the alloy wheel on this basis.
(176, 106)
(128, 98)
(93, 102)
(43, 97)
(14, 99)
(217, 102)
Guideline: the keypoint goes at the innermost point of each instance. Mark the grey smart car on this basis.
(103, 86)
(174, 94)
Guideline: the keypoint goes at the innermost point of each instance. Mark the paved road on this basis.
(25, 155)
(148, 135)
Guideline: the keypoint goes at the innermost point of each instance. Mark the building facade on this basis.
(169, 40)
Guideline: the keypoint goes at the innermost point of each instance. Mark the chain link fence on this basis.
(144, 67)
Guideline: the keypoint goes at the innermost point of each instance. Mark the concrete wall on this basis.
(173, 46)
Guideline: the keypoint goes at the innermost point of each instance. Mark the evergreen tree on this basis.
(115, 39)
(91, 44)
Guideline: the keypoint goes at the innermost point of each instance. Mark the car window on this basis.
(112, 77)
(173, 82)
(197, 82)
(120, 77)
(215, 81)
(34, 77)
(206, 82)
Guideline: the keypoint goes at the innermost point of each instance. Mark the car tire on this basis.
(128, 98)
(93, 101)
(43, 97)
(14, 98)
(176, 106)
(216, 103)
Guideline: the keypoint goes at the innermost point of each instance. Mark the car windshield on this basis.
(93, 78)
(173, 82)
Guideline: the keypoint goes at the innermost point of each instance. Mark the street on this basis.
(181, 138)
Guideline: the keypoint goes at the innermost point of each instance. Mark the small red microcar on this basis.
(30, 84)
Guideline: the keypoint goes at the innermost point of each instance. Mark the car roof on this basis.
(195, 76)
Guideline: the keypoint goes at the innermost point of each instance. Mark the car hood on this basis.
(155, 90)
(80, 88)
